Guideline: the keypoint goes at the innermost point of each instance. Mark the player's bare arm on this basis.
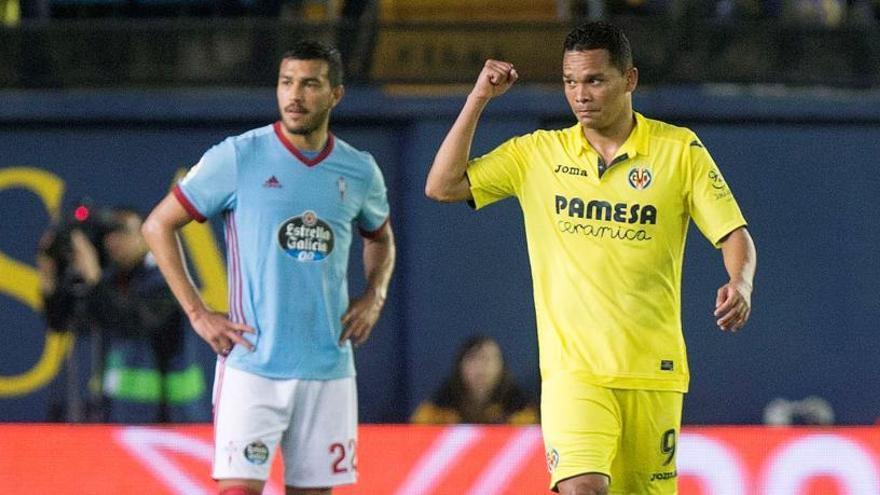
(160, 231)
(447, 179)
(363, 312)
(733, 304)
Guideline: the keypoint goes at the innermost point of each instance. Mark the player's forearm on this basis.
(379, 256)
(166, 248)
(740, 257)
(447, 179)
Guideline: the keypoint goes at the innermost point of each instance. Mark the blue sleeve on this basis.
(209, 187)
(374, 212)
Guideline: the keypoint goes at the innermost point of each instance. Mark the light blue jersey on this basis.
(288, 223)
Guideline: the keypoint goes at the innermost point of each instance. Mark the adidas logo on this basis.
(272, 182)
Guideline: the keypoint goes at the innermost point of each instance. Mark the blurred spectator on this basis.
(821, 13)
(355, 34)
(10, 12)
(74, 394)
(813, 411)
(480, 390)
(113, 291)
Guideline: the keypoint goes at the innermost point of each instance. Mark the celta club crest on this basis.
(309, 218)
(639, 178)
(256, 452)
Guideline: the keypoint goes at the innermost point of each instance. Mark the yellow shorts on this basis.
(628, 435)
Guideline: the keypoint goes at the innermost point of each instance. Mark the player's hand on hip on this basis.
(360, 318)
(220, 333)
(733, 305)
(495, 79)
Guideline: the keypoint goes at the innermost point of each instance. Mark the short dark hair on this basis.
(601, 35)
(317, 50)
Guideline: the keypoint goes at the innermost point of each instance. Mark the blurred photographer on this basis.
(64, 262)
(100, 282)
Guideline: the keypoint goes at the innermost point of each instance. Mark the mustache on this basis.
(295, 108)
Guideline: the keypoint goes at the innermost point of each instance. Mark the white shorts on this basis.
(314, 421)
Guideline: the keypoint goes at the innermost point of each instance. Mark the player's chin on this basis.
(296, 127)
(588, 122)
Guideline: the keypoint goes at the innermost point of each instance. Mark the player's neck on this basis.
(313, 141)
(608, 140)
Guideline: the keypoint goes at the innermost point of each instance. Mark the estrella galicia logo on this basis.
(639, 178)
(552, 459)
(256, 453)
(306, 237)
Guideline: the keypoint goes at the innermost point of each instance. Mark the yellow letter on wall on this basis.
(21, 281)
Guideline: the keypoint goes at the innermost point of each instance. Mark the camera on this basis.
(95, 222)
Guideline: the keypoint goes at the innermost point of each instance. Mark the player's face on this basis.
(305, 95)
(481, 368)
(599, 94)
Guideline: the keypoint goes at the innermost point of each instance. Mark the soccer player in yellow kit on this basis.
(606, 205)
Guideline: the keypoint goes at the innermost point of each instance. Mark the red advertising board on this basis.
(401, 459)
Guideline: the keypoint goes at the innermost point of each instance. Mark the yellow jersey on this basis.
(606, 244)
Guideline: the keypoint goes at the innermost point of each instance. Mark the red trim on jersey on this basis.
(297, 153)
(375, 233)
(187, 205)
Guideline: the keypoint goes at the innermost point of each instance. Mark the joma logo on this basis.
(568, 170)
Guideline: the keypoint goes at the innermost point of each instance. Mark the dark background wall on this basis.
(802, 166)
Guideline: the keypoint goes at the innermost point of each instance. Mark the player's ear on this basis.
(632, 79)
(338, 93)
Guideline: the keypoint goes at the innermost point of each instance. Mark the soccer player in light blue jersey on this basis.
(290, 195)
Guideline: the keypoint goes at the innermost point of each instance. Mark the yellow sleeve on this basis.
(497, 174)
(710, 200)
(525, 416)
(429, 414)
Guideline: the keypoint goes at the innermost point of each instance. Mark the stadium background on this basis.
(790, 113)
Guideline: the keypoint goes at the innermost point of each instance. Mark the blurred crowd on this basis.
(827, 13)
(822, 13)
(11, 11)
